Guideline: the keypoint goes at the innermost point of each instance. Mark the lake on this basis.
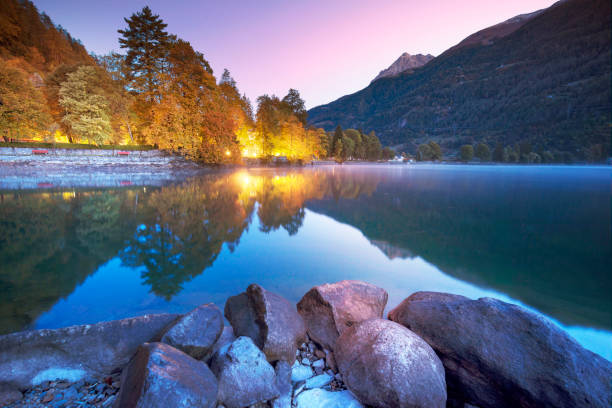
(538, 236)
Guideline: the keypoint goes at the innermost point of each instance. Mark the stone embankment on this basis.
(28, 168)
(334, 349)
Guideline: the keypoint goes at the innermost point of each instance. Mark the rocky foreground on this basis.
(334, 349)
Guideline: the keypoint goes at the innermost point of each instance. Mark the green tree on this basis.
(296, 105)
(87, 109)
(466, 153)
(498, 153)
(388, 153)
(373, 148)
(511, 155)
(338, 135)
(348, 148)
(436, 151)
(424, 152)
(338, 150)
(147, 47)
(482, 152)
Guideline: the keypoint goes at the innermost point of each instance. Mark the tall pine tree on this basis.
(147, 48)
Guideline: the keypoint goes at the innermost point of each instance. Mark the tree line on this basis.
(519, 153)
(159, 92)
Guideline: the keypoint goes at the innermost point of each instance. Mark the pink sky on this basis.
(324, 48)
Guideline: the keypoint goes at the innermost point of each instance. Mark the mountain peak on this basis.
(404, 62)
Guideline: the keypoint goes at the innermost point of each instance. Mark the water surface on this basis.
(533, 235)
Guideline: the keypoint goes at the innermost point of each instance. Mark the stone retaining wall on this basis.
(83, 156)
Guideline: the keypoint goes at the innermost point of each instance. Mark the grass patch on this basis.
(75, 146)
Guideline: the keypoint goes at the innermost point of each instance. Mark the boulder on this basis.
(283, 385)
(196, 332)
(386, 365)
(245, 377)
(226, 337)
(160, 376)
(330, 309)
(318, 398)
(501, 355)
(28, 358)
(269, 320)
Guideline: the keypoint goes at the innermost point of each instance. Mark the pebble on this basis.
(89, 393)
(318, 381)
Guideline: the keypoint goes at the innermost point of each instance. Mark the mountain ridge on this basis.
(403, 63)
(547, 83)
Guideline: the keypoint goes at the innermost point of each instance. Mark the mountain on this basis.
(501, 30)
(404, 63)
(547, 84)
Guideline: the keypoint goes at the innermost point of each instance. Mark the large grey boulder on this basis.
(160, 376)
(28, 358)
(270, 320)
(226, 337)
(245, 377)
(501, 355)
(386, 365)
(196, 332)
(330, 309)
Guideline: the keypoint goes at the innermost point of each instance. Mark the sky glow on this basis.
(325, 49)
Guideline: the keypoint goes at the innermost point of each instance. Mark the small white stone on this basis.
(319, 363)
(318, 381)
(301, 373)
(318, 398)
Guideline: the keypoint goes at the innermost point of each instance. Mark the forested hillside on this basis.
(545, 85)
(32, 38)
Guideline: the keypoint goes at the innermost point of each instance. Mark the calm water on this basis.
(537, 236)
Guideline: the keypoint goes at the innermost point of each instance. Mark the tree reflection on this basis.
(52, 241)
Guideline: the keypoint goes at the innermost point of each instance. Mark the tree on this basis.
(338, 150)
(466, 153)
(22, 106)
(498, 153)
(338, 135)
(511, 155)
(147, 46)
(388, 153)
(87, 109)
(436, 151)
(373, 147)
(482, 152)
(192, 116)
(424, 152)
(296, 105)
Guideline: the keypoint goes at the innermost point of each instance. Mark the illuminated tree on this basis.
(87, 109)
(22, 106)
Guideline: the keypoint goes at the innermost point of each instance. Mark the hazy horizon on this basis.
(323, 50)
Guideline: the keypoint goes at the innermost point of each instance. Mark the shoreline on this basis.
(334, 346)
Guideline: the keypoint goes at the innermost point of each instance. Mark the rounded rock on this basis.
(386, 365)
